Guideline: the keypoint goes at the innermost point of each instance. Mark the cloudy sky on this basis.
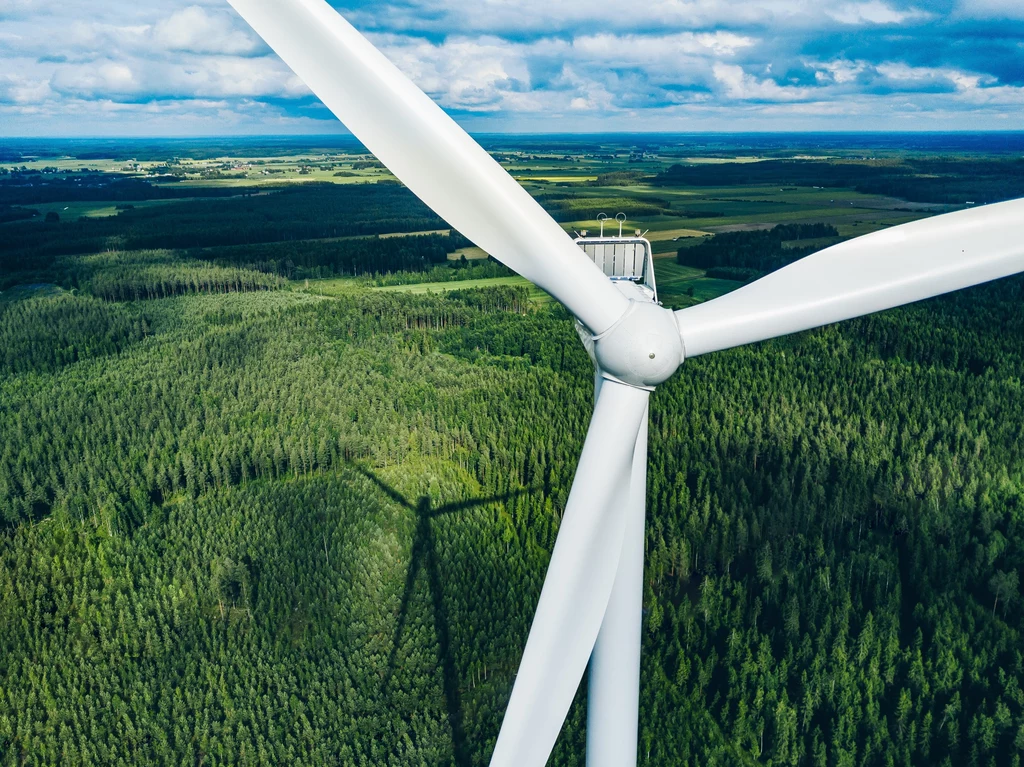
(163, 67)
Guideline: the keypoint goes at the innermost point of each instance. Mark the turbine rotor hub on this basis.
(643, 348)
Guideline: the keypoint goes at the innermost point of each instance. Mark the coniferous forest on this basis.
(246, 521)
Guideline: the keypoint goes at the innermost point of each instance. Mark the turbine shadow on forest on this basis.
(424, 554)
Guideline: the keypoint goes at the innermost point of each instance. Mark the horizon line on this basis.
(833, 132)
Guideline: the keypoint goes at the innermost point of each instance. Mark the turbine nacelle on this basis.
(642, 347)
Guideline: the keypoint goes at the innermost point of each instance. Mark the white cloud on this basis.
(989, 9)
(461, 73)
(489, 74)
(96, 79)
(227, 76)
(873, 12)
(163, 118)
(904, 73)
(518, 64)
(996, 96)
(574, 17)
(19, 90)
(99, 38)
(593, 96)
(839, 72)
(16, 8)
(195, 30)
(743, 86)
(658, 50)
(969, 88)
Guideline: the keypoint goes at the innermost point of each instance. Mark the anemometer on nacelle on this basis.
(627, 261)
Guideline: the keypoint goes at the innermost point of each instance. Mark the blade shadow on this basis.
(424, 554)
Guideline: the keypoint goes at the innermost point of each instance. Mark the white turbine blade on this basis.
(877, 271)
(578, 584)
(430, 153)
(613, 686)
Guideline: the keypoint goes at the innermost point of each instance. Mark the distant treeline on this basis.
(746, 254)
(569, 207)
(132, 282)
(302, 213)
(953, 182)
(456, 271)
(141, 275)
(947, 181)
(9, 213)
(326, 258)
(34, 189)
(167, 150)
(781, 172)
(621, 178)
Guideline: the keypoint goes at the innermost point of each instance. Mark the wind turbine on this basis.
(590, 605)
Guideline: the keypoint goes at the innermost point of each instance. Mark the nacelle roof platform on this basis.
(623, 258)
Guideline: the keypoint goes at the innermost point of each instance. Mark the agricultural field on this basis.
(283, 458)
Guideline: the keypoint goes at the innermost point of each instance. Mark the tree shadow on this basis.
(424, 555)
